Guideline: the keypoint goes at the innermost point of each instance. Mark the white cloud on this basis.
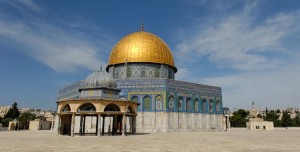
(237, 42)
(274, 89)
(30, 5)
(261, 65)
(60, 50)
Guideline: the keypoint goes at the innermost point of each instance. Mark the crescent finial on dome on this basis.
(142, 26)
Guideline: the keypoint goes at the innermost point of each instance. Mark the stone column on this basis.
(103, 125)
(134, 124)
(80, 126)
(52, 123)
(72, 125)
(99, 125)
(123, 125)
(58, 124)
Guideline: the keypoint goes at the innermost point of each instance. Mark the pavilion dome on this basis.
(142, 47)
(100, 79)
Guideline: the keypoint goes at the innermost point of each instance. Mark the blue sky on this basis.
(249, 48)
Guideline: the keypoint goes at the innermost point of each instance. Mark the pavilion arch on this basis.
(188, 105)
(130, 109)
(171, 103)
(147, 103)
(204, 107)
(87, 107)
(66, 108)
(111, 107)
(196, 105)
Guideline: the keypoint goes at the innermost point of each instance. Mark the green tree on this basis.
(5, 121)
(287, 121)
(25, 118)
(13, 112)
(273, 116)
(239, 118)
(297, 121)
(41, 118)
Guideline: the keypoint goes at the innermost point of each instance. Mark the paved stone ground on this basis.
(233, 141)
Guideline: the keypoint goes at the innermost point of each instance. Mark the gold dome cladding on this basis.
(141, 47)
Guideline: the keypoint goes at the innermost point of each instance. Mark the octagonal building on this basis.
(144, 69)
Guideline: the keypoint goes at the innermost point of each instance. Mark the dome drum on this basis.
(141, 71)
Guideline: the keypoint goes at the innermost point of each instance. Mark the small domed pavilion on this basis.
(99, 103)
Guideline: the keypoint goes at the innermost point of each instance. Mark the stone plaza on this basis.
(236, 140)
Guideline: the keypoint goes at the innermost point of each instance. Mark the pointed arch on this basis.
(147, 103)
(87, 107)
(179, 104)
(210, 105)
(158, 102)
(171, 103)
(188, 105)
(196, 105)
(130, 109)
(218, 106)
(135, 98)
(111, 107)
(204, 105)
(66, 108)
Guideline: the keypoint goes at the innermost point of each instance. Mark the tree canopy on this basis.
(13, 112)
(239, 118)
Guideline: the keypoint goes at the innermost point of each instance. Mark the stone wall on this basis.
(178, 122)
(39, 125)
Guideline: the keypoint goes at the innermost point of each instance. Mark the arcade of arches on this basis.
(96, 117)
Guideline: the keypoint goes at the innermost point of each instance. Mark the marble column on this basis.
(99, 125)
(58, 124)
(72, 125)
(123, 125)
(103, 125)
(134, 124)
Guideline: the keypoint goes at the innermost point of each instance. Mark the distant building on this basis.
(259, 124)
(38, 124)
(4, 110)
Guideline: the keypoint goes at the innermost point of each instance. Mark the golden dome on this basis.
(141, 47)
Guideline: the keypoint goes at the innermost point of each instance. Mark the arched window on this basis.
(147, 103)
(196, 104)
(218, 106)
(111, 107)
(188, 105)
(67, 108)
(87, 107)
(158, 101)
(204, 105)
(211, 105)
(179, 104)
(135, 99)
(171, 103)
